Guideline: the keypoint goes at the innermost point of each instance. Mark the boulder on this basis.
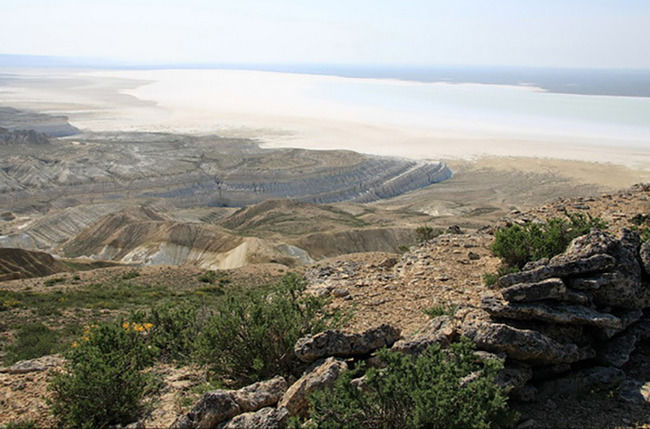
(524, 344)
(220, 405)
(266, 418)
(551, 313)
(319, 376)
(439, 330)
(341, 344)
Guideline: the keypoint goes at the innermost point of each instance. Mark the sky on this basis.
(532, 33)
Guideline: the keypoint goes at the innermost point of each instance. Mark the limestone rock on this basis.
(439, 330)
(553, 313)
(524, 344)
(319, 376)
(261, 394)
(552, 288)
(266, 418)
(617, 352)
(341, 344)
(560, 268)
(220, 405)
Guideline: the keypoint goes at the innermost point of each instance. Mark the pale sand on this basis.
(279, 111)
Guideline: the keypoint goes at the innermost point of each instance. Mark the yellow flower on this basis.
(125, 325)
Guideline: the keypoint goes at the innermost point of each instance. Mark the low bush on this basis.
(103, 382)
(426, 233)
(518, 244)
(440, 310)
(250, 336)
(173, 330)
(435, 390)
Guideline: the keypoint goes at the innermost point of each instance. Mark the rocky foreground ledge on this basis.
(573, 322)
(563, 327)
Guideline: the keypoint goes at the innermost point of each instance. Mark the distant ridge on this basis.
(582, 81)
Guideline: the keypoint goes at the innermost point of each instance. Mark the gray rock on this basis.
(535, 264)
(552, 288)
(581, 382)
(220, 405)
(341, 344)
(439, 330)
(617, 351)
(560, 268)
(524, 344)
(266, 418)
(319, 376)
(553, 313)
(42, 363)
(634, 391)
(473, 256)
(514, 376)
(622, 285)
(628, 318)
(526, 393)
(644, 255)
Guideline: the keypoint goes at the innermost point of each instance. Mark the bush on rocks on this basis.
(520, 244)
(449, 388)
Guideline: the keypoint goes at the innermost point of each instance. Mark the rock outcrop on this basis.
(318, 376)
(20, 137)
(221, 405)
(341, 344)
(579, 311)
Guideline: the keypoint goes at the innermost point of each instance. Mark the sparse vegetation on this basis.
(32, 340)
(518, 244)
(53, 281)
(251, 336)
(426, 233)
(130, 275)
(440, 310)
(435, 390)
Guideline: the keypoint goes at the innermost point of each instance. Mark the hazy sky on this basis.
(559, 33)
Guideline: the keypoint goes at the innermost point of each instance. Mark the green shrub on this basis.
(174, 327)
(103, 382)
(426, 392)
(130, 275)
(53, 281)
(251, 335)
(32, 341)
(519, 244)
(440, 310)
(426, 233)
